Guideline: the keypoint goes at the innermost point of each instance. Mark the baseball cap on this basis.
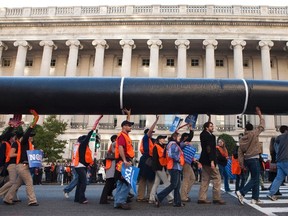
(127, 123)
(161, 137)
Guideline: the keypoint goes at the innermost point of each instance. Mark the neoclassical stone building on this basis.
(179, 41)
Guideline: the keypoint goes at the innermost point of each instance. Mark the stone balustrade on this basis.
(157, 10)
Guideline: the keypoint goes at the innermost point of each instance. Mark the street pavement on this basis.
(53, 202)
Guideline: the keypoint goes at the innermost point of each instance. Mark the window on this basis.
(170, 62)
(219, 63)
(53, 63)
(246, 63)
(6, 62)
(119, 63)
(194, 62)
(145, 62)
(29, 63)
(271, 63)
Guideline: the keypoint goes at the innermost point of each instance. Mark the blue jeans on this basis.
(73, 183)
(224, 173)
(81, 185)
(121, 194)
(253, 166)
(282, 172)
(175, 183)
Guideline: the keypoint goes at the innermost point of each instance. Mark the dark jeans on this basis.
(175, 183)
(253, 166)
(240, 181)
(107, 190)
(81, 185)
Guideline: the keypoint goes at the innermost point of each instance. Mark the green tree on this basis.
(229, 142)
(46, 138)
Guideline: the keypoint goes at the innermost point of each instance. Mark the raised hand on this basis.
(15, 121)
(97, 122)
(35, 119)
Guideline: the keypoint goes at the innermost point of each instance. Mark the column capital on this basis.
(182, 43)
(209, 43)
(236, 42)
(75, 43)
(3, 45)
(100, 43)
(49, 43)
(154, 42)
(22, 43)
(128, 42)
(265, 44)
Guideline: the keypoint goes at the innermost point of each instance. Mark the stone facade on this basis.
(179, 41)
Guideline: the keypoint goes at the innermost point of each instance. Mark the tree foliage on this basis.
(230, 143)
(46, 138)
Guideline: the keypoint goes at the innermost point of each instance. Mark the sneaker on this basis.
(66, 195)
(273, 198)
(240, 197)
(33, 204)
(253, 201)
(151, 201)
(171, 201)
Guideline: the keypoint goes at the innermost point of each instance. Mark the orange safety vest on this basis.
(162, 159)
(151, 146)
(7, 152)
(170, 161)
(88, 156)
(75, 148)
(129, 147)
(235, 166)
(18, 157)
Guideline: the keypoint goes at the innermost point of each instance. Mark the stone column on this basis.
(100, 46)
(48, 46)
(210, 46)
(3, 46)
(23, 46)
(154, 46)
(74, 46)
(238, 46)
(127, 46)
(265, 47)
(182, 46)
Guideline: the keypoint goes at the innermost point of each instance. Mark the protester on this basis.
(124, 154)
(146, 174)
(19, 150)
(281, 149)
(222, 160)
(175, 162)
(159, 166)
(83, 158)
(248, 155)
(188, 173)
(209, 169)
(110, 171)
(236, 170)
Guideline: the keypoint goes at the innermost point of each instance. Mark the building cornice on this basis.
(235, 15)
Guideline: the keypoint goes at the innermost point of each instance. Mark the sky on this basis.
(46, 3)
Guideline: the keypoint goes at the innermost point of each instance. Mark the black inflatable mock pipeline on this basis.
(89, 95)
